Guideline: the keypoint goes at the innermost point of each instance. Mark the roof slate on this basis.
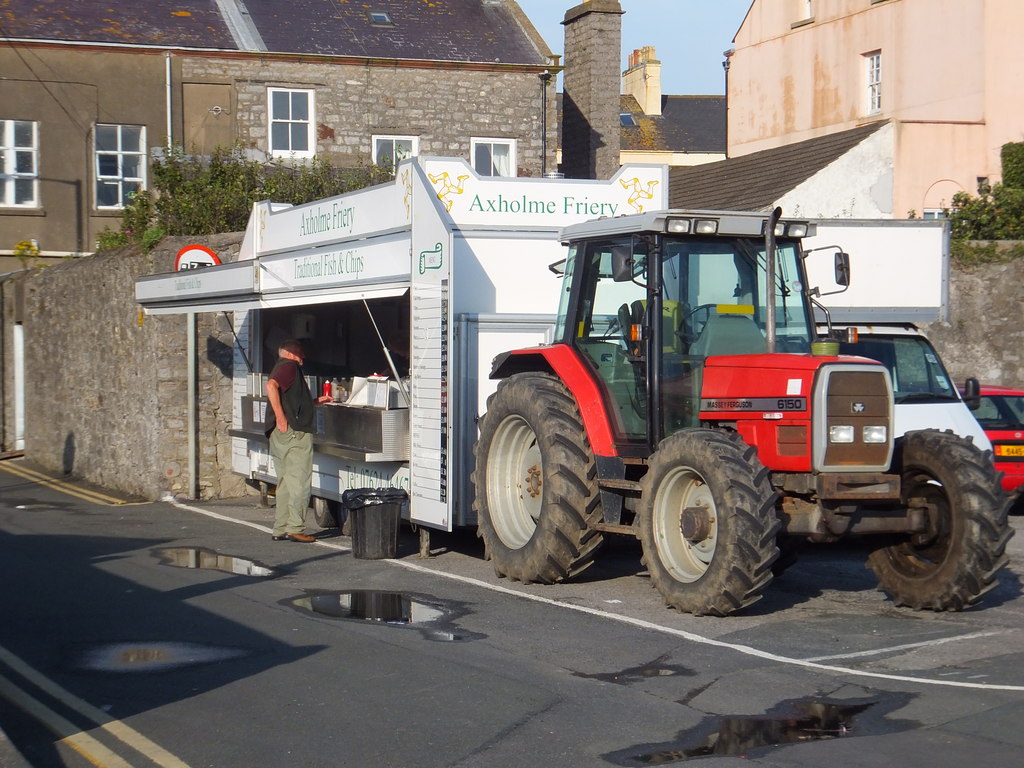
(686, 124)
(168, 23)
(440, 30)
(754, 182)
(478, 31)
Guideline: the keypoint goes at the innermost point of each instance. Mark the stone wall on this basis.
(106, 395)
(984, 336)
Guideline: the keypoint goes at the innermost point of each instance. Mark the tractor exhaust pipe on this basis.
(769, 256)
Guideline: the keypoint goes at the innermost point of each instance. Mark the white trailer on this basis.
(458, 261)
(899, 276)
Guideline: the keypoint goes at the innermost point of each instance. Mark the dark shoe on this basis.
(305, 538)
(282, 537)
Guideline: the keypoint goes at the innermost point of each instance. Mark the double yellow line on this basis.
(81, 741)
(95, 497)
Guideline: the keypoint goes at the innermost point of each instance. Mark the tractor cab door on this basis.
(603, 319)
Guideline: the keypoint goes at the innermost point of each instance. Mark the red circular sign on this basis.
(195, 257)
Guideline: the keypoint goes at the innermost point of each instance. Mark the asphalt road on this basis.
(180, 634)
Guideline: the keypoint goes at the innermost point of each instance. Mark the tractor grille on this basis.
(848, 399)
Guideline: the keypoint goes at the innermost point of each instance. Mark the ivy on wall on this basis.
(205, 195)
(1012, 158)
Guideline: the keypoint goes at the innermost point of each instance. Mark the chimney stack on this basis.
(591, 88)
(642, 80)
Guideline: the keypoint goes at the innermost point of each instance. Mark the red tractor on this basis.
(685, 401)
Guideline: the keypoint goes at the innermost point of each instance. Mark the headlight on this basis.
(797, 230)
(678, 226)
(840, 433)
(877, 434)
(706, 226)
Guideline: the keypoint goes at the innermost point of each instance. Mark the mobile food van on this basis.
(402, 294)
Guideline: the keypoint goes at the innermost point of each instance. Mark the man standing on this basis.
(290, 430)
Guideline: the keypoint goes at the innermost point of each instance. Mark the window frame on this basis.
(120, 153)
(512, 144)
(414, 142)
(9, 173)
(873, 82)
(309, 122)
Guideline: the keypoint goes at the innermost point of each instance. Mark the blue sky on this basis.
(689, 36)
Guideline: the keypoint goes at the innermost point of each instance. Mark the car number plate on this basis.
(1010, 450)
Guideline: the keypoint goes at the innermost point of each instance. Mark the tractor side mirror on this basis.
(843, 269)
(622, 263)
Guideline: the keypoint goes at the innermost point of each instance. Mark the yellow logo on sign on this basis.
(446, 187)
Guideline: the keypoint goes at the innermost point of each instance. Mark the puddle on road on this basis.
(656, 668)
(791, 722)
(204, 559)
(392, 608)
(151, 657)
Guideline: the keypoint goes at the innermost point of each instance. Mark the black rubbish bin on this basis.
(375, 515)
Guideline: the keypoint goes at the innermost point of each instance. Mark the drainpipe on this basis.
(545, 78)
(726, 63)
(167, 87)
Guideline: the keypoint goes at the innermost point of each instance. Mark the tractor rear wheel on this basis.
(535, 482)
(708, 523)
(952, 564)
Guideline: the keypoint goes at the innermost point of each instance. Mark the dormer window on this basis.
(381, 18)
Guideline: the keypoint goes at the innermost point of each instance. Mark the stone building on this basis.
(92, 90)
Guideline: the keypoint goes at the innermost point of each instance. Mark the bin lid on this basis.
(356, 498)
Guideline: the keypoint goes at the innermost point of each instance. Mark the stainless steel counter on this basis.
(348, 431)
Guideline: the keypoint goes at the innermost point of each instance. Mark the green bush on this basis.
(969, 253)
(997, 214)
(1012, 159)
(205, 195)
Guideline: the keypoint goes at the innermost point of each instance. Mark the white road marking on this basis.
(905, 647)
(641, 623)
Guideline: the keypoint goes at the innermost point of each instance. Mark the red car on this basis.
(1001, 415)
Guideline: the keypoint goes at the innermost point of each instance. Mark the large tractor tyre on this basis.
(708, 522)
(535, 482)
(951, 565)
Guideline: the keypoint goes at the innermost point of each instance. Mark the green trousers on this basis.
(293, 461)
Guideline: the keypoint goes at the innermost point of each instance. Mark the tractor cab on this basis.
(648, 299)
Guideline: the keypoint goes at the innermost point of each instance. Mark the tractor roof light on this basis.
(706, 226)
(677, 226)
(797, 229)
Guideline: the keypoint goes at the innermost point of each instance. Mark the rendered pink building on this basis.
(942, 77)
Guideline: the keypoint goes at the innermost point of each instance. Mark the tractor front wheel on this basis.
(954, 562)
(708, 523)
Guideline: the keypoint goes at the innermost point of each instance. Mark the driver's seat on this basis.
(725, 334)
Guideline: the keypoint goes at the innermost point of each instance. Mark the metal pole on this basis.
(193, 427)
